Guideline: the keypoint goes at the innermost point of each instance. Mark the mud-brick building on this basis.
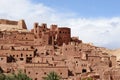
(51, 48)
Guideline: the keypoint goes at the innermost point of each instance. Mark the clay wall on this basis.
(24, 48)
(18, 24)
(112, 74)
(37, 73)
(48, 60)
(3, 21)
(82, 67)
(22, 55)
(94, 60)
(45, 50)
(3, 59)
(113, 60)
(63, 35)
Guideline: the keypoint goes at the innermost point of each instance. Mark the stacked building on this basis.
(42, 50)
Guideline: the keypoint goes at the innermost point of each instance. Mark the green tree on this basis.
(21, 76)
(89, 78)
(52, 76)
(2, 76)
(18, 76)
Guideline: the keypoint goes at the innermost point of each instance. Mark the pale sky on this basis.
(96, 21)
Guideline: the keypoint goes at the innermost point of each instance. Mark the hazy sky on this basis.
(96, 21)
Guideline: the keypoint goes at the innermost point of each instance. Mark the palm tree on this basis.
(21, 76)
(52, 76)
(2, 76)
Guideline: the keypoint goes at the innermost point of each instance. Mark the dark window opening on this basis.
(21, 55)
(32, 47)
(1, 47)
(50, 40)
(12, 48)
(11, 59)
(35, 78)
(44, 72)
(28, 60)
(84, 70)
(21, 59)
(42, 53)
(79, 49)
(70, 73)
(28, 72)
(30, 55)
(2, 58)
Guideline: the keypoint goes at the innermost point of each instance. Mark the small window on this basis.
(28, 72)
(2, 58)
(27, 49)
(30, 55)
(44, 72)
(84, 70)
(60, 73)
(66, 49)
(17, 55)
(76, 61)
(35, 78)
(36, 73)
(21, 59)
(42, 53)
(21, 55)
(25, 70)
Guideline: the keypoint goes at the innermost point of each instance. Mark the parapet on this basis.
(4, 21)
(12, 25)
(53, 27)
(22, 24)
(44, 25)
